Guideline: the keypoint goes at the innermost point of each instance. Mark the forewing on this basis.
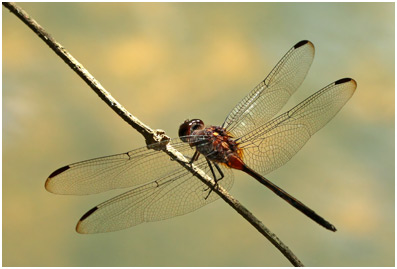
(272, 145)
(124, 170)
(177, 194)
(266, 99)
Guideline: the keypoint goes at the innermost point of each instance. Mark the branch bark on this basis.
(151, 136)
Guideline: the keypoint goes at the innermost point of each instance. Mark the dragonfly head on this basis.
(188, 127)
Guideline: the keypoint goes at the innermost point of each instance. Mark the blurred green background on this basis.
(171, 61)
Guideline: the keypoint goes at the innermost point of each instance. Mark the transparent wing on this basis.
(273, 144)
(176, 194)
(162, 187)
(266, 99)
(124, 170)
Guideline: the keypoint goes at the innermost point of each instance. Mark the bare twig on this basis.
(150, 135)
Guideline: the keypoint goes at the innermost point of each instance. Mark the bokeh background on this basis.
(166, 62)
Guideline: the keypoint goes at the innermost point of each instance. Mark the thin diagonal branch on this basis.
(150, 135)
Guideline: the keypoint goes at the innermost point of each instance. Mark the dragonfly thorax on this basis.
(216, 144)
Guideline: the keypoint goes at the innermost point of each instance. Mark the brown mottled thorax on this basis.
(220, 148)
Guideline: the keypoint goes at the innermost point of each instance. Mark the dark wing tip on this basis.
(54, 174)
(79, 229)
(347, 80)
(58, 171)
(301, 43)
(343, 80)
(89, 212)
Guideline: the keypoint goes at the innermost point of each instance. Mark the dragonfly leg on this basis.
(214, 176)
(194, 157)
(220, 172)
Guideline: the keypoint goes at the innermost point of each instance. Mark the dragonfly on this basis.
(252, 139)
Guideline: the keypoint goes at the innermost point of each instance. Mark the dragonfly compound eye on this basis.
(188, 126)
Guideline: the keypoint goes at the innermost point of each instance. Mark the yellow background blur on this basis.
(172, 61)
